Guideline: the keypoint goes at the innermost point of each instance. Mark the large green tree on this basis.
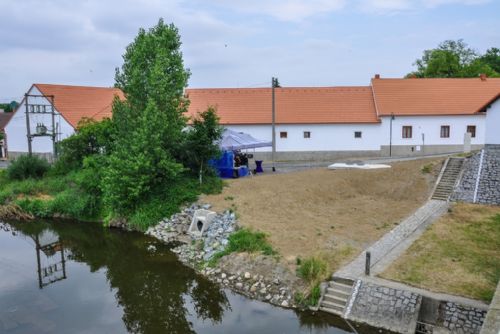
(452, 59)
(148, 125)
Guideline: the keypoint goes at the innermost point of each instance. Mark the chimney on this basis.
(377, 76)
(483, 76)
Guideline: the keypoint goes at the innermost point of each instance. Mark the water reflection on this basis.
(48, 244)
(110, 281)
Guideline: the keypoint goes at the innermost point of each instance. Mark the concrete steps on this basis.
(336, 297)
(448, 179)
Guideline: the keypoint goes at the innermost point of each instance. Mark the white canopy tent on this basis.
(232, 140)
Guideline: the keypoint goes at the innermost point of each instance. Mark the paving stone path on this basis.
(394, 243)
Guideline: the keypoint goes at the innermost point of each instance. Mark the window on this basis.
(445, 131)
(307, 134)
(283, 134)
(472, 130)
(357, 134)
(407, 129)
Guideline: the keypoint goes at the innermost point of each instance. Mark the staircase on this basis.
(448, 179)
(336, 297)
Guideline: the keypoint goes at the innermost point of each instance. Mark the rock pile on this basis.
(268, 282)
(253, 286)
(193, 249)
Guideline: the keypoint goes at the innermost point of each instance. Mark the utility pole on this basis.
(274, 84)
(28, 131)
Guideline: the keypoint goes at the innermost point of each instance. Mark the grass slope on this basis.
(459, 254)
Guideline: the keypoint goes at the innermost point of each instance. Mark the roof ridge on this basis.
(74, 86)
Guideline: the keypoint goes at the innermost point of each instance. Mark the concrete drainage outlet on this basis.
(201, 221)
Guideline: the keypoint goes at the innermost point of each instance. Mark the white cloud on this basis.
(386, 5)
(435, 3)
(394, 6)
(285, 10)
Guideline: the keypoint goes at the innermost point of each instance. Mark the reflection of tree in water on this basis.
(209, 302)
(149, 286)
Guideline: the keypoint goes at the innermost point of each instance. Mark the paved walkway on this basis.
(394, 243)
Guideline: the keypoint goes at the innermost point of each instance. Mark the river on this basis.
(71, 277)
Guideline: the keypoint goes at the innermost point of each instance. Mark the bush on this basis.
(313, 270)
(27, 166)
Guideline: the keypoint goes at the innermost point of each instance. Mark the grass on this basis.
(245, 240)
(62, 195)
(426, 169)
(459, 254)
(313, 270)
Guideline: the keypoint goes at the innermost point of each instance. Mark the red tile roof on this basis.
(293, 105)
(77, 102)
(434, 96)
(4, 119)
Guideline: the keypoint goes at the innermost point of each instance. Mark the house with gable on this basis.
(70, 105)
(390, 117)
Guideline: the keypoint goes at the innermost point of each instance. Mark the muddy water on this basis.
(67, 277)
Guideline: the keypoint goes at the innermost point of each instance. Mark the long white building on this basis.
(398, 117)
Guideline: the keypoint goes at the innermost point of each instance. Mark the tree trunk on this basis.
(201, 173)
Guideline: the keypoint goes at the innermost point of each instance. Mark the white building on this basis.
(399, 117)
(70, 105)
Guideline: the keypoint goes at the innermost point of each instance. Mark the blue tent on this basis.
(232, 140)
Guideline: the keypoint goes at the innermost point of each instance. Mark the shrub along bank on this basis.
(140, 165)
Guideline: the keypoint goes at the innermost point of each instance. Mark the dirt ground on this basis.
(331, 213)
(459, 254)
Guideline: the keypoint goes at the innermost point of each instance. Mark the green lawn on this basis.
(459, 254)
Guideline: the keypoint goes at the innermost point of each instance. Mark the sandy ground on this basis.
(335, 214)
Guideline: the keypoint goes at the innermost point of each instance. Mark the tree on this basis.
(148, 125)
(492, 59)
(90, 138)
(201, 141)
(452, 59)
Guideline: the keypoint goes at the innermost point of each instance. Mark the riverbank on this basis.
(254, 275)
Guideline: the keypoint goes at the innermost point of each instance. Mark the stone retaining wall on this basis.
(388, 308)
(467, 185)
(462, 319)
(489, 182)
(399, 310)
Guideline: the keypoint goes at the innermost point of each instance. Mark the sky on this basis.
(236, 43)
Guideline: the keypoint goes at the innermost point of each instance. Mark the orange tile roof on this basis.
(293, 105)
(434, 96)
(77, 102)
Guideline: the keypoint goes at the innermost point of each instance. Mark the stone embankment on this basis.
(385, 307)
(258, 277)
(480, 181)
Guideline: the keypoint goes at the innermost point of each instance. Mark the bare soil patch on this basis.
(334, 214)
(459, 254)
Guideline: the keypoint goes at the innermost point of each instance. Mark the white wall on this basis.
(324, 137)
(430, 126)
(493, 124)
(16, 129)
